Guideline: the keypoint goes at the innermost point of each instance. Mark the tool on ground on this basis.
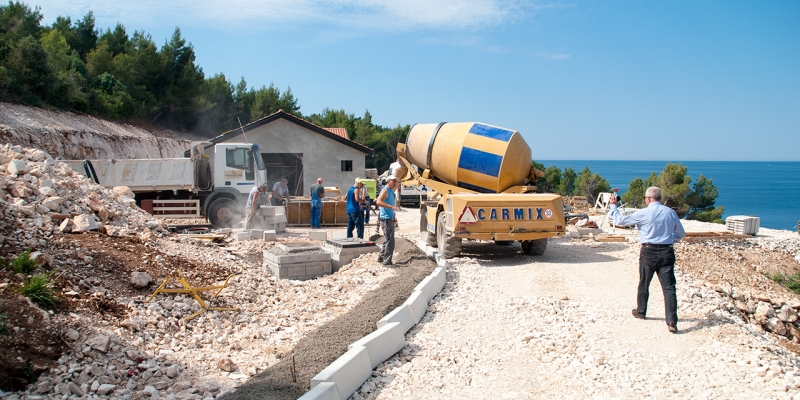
(293, 370)
(194, 292)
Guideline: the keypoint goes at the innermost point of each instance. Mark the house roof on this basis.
(338, 131)
(340, 137)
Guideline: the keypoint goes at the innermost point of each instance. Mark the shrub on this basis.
(23, 263)
(792, 282)
(40, 289)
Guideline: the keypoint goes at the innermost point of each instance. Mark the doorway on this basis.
(285, 165)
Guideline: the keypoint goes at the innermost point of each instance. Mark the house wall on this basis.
(321, 156)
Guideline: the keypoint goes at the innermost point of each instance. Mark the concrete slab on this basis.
(428, 287)
(382, 343)
(317, 235)
(323, 391)
(418, 304)
(344, 251)
(402, 315)
(440, 276)
(269, 236)
(348, 372)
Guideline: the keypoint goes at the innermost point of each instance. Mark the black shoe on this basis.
(636, 314)
(388, 264)
(672, 328)
(380, 259)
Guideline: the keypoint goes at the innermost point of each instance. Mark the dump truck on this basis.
(479, 181)
(213, 181)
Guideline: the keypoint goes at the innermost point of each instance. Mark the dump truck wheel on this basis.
(448, 245)
(424, 235)
(534, 247)
(224, 213)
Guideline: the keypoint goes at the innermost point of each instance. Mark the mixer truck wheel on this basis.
(224, 213)
(448, 245)
(534, 247)
(424, 235)
(503, 242)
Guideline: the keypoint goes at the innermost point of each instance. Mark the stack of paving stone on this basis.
(274, 218)
(297, 261)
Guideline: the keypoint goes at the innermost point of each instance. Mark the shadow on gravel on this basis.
(491, 255)
(323, 346)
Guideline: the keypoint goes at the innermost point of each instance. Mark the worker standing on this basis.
(659, 228)
(386, 201)
(252, 206)
(280, 192)
(317, 194)
(355, 215)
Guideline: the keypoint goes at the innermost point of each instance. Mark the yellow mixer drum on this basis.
(471, 155)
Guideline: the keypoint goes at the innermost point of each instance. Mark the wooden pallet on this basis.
(608, 238)
(694, 236)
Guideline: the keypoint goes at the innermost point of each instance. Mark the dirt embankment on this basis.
(71, 136)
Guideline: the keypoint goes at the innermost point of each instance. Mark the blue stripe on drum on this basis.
(491, 132)
(474, 187)
(480, 161)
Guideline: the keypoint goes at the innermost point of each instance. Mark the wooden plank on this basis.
(692, 236)
(608, 238)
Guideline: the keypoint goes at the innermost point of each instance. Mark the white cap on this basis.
(391, 177)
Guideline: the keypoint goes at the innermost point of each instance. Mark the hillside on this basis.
(68, 135)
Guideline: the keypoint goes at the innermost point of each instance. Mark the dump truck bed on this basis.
(142, 175)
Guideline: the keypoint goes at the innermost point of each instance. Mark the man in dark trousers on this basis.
(659, 227)
(317, 194)
(355, 216)
(386, 201)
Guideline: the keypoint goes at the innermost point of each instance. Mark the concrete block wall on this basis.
(345, 375)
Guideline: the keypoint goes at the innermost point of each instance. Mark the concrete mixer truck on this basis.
(480, 176)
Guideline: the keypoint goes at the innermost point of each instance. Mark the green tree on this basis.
(57, 49)
(634, 197)
(116, 40)
(84, 36)
(674, 185)
(567, 185)
(217, 110)
(31, 80)
(701, 202)
(180, 84)
(590, 185)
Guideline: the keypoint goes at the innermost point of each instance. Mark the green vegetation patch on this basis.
(40, 289)
(792, 282)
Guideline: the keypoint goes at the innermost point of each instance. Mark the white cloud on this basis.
(386, 15)
(552, 57)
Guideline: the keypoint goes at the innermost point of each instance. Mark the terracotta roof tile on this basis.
(338, 131)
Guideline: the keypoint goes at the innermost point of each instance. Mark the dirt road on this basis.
(522, 327)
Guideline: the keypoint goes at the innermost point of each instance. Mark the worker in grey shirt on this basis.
(659, 227)
(252, 206)
(280, 192)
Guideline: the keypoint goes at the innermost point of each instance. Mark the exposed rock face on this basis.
(71, 136)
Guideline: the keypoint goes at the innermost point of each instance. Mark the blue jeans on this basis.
(355, 220)
(316, 210)
(658, 261)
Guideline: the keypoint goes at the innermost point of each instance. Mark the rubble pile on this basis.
(109, 256)
(741, 272)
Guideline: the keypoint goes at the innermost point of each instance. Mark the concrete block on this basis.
(315, 270)
(256, 233)
(440, 276)
(317, 235)
(271, 211)
(382, 343)
(302, 258)
(269, 236)
(421, 244)
(323, 391)
(339, 233)
(402, 315)
(428, 288)
(442, 262)
(418, 304)
(276, 219)
(429, 250)
(348, 372)
(297, 271)
(242, 236)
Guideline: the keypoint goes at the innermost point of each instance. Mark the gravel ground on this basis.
(520, 327)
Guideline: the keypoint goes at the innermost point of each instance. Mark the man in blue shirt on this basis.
(386, 201)
(355, 216)
(659, 227)
(317, 194)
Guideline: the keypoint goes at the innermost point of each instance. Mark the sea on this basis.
(766, 189)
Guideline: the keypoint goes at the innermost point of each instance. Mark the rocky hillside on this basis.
(67, 135)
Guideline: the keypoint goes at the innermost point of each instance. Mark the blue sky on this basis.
(639, 80)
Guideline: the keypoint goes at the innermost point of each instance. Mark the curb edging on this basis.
(340, 379)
